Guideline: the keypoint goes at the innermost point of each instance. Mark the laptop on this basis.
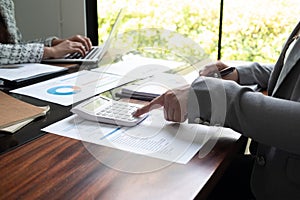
(95, 54)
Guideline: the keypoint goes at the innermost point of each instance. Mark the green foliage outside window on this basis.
(252, 30)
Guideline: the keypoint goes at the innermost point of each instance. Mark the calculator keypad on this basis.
(119, 111)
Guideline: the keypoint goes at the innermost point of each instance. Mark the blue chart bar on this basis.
(110, 133)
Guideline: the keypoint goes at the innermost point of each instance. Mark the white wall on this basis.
(42, 18)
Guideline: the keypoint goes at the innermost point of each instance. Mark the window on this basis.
(255, 32)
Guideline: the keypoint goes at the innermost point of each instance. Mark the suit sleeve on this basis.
(255, 73)
(265, 119)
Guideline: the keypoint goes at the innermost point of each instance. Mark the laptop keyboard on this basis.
(88, 55)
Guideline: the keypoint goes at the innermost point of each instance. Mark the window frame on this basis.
(92, 21)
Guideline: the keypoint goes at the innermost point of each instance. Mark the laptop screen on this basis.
(113, 34)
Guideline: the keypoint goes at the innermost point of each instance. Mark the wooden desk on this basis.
(56, 167)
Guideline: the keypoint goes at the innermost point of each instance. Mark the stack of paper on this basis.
(15, 114)
(20, 74)
(149, 88)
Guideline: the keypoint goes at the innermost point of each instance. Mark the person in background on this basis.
(14, 50)
(271, 121)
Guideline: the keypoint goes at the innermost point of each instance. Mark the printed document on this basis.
(156, 85)
(139, 67)
(72, 88)
(23, 71)
(154, 137)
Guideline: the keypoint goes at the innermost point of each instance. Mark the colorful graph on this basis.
(64, 90)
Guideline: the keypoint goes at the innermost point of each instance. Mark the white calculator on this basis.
(102, 109)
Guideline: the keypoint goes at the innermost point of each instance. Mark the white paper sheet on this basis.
(139, 67)
(20, 71)
(154, 137)
(71, 88)
(157, 84)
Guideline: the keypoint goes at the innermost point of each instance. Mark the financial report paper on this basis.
(154, 137)
(72, 88)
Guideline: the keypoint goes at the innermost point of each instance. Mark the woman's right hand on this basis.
(61, 48)
(213, 69)
(64, 48)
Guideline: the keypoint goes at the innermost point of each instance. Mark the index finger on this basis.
(154, 104)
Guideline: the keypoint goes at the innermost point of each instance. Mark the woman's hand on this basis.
(61, 48)
(85, 41)
(174, 103)
(212, 70)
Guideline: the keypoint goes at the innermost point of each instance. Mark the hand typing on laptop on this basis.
(61, 47)
(79, 49)
(14, 50)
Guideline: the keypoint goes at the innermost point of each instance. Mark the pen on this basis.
(226, 71)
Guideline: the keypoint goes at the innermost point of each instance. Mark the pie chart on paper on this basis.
(64, 90)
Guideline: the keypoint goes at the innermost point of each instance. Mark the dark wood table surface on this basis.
(55, 167)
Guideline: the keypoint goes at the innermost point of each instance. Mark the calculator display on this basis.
(93, 105)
